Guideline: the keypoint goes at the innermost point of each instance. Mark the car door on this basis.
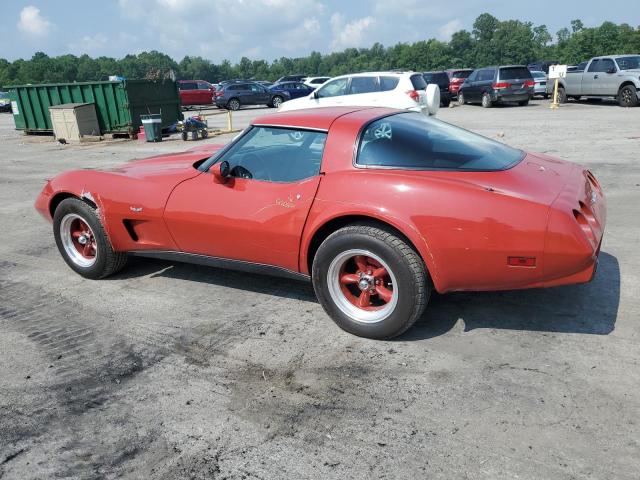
(364, 91)
(590, 77)
(332, 93)
(188, 94)
(259, 94)
(259, 214)
(469, 85)
(607, 81)
(484, 83)
(204, 93)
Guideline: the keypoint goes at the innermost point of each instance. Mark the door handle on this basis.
(595, 76)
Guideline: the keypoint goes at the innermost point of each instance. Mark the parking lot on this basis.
(168, 371)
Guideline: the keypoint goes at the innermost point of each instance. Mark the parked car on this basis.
(615, 76)
(404, 90)
(294, 89)
(491, 85)
(236, 94)
(195, 92)
(456, 79)
(5, 102)
(291, 78)
(540, 87)
(378, 207)
(542, 65)
(315, 82)
(442, 80)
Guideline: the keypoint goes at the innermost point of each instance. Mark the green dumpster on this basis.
(119, 104)
(152, 127)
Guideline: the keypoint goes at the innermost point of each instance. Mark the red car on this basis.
(196, 92)
(377, 207)
(457, 78)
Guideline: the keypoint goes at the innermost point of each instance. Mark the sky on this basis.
(262, 29)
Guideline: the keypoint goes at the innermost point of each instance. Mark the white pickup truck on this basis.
(610, 76)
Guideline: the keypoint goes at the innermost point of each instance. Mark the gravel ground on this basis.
(171, 371)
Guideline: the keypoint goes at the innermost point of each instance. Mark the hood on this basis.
(180, 165)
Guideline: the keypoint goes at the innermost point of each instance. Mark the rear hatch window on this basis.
(439, 78)
(418, 82)
(514, 73)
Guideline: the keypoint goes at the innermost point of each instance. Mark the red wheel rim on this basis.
(83, 238)
(365, 283)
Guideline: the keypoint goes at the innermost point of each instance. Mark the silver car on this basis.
(540, 88)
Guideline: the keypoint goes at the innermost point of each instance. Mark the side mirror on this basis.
(611, 70)
(315, 95)
(221, 171)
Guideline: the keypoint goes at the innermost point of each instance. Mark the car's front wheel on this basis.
(82, 241)
(370, 282)
(627, 96)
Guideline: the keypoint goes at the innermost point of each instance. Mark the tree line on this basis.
(491, 41)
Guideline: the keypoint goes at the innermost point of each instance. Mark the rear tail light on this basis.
(529, 83)
(219, 93)
(500, 85)
(521, 261)
(414, 95)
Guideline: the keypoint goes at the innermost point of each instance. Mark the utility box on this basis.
(74, 121)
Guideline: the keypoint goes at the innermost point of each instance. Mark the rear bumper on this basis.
(512, 97)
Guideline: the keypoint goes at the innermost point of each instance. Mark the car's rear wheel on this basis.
(370, 282)
(277, 101)
(82, 241)
(486, 101)
(562, 95)
(233, 104)
(523, 103)
(445, 103)
(460, 98)
(627, 96)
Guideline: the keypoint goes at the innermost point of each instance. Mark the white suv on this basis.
(402, 90)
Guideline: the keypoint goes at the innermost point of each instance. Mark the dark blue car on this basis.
(294, 89)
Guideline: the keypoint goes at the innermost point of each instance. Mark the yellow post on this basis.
(229, 121)
(555, 104)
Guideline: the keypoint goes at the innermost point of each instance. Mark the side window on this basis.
(485, 75)
(388, 83)
(333, 88)
(473, 77)
(187, 86)
(363, 85)
(593, 67)
(606, 64)
(255, 88)
(203, 86)
(277, 154)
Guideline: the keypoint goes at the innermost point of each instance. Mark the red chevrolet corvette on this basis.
(376, 206)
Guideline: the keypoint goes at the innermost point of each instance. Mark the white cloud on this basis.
(32, 23)
(350, 34)
(448, 29)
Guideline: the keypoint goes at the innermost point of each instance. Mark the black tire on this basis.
(184, 135)
(204, 133)
(460, 98)
(523, 103)
(562, 95)
(627, 96)
(545, 96)
(233, 104)
(107, 261)
(412, 284)
(486, 101)
(445, 103)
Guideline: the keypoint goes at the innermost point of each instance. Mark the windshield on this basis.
(629, 63)
(414, 141)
